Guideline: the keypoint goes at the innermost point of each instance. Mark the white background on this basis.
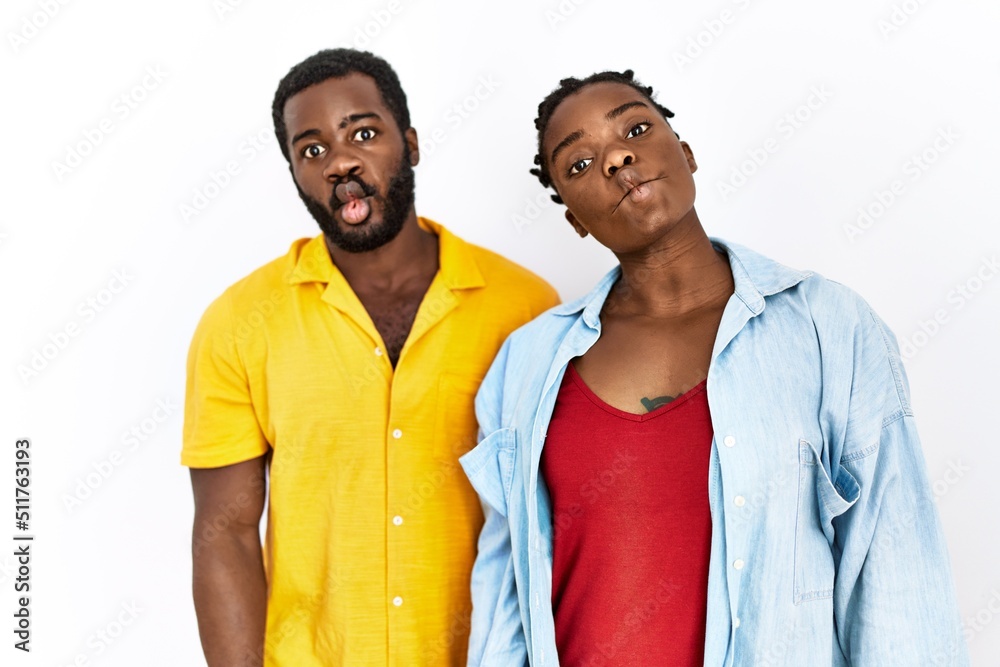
(893, 87)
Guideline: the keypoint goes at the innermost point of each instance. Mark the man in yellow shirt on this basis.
(337, 383)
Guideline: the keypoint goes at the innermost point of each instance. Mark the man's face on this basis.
(351, 164)
(623, 174)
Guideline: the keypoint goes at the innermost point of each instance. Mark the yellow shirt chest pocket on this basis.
(455, 429)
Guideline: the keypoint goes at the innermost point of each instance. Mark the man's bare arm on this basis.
(230, 589)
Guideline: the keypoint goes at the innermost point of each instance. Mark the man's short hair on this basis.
(334, 64)
(566, 88)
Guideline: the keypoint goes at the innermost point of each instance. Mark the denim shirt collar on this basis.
(754, 276)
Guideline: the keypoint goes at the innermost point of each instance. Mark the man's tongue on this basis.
(355, 211)
(355, 208)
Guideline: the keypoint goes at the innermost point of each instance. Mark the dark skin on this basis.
(347, 130)
(230, 589)
(627, 180)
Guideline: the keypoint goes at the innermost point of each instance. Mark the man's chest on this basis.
(393, 315)
(323, 376)
(393, 321)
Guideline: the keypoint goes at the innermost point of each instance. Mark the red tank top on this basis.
(632, 528)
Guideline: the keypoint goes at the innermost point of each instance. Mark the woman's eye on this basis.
(364, 134)
(638, 129)
(579, 165)
(313, 150)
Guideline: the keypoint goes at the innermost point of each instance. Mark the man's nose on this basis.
(342, 163)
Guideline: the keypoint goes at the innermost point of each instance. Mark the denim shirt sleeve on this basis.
(894, 597)
(497, 636)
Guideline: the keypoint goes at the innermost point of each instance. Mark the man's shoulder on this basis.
(275, 274)
(541, 336)
(266, 285)
(499, 270)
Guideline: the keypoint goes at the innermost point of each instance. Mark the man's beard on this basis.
(395, 206)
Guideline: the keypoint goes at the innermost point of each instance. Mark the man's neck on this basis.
(412, 254)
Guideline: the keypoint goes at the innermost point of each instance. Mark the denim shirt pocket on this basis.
(490, 468)
(820, 501)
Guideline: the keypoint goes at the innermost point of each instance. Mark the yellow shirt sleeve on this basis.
(220, 425)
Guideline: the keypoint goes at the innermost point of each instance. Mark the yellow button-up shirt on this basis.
(372, 525)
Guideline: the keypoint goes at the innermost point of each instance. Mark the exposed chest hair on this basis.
(394, 322)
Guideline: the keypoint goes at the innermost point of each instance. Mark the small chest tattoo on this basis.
(653, 403)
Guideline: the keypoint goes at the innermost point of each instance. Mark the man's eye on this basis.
(364, 134)
(312, 151)
(638, 129)
(579, 165)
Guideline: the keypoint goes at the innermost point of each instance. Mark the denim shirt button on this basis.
(729, 441)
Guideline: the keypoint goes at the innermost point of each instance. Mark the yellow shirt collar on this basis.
(457, 266)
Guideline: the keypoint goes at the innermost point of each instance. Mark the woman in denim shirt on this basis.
(730, 475)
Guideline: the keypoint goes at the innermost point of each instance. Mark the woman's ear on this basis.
(576, 224)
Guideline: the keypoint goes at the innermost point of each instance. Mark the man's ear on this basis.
(692, 165)
(410, 137)
(576, 224)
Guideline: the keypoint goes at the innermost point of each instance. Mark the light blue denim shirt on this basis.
(826, 544)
